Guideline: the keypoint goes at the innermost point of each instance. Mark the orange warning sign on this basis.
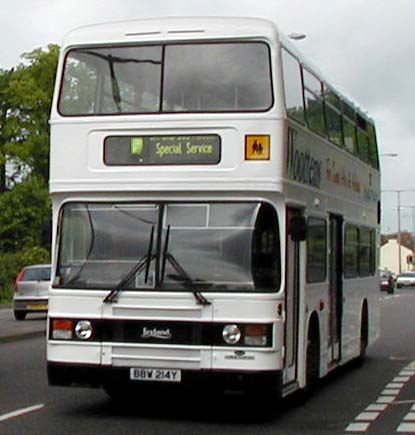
(257, 147)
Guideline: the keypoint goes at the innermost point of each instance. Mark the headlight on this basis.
(231, 334)
(83, 329)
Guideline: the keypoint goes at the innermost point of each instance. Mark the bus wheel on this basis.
(364, 336)
(312, 360)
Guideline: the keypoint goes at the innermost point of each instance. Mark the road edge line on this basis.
(21, 411)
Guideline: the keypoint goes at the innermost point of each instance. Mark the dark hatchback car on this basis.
(387, 281)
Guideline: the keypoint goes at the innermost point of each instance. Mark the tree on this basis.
(29, 96)
(25, 101)
(23, 211)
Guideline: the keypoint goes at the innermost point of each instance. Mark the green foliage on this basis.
(29, 94)
(25, 100)
(24, 209)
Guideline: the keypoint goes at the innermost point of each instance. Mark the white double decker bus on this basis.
(215, 211)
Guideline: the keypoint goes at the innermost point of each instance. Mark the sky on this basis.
(365, 46)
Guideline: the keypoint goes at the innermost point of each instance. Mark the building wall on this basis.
(389, 257)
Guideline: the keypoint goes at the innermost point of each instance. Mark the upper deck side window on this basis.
(173, 78)
(293, 86)
(313, 97)
(314, 104)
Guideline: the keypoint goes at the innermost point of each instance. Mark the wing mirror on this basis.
(298, 228)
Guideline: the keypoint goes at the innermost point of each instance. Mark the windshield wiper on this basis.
(182, 274)
(188, 282)
(142, 264)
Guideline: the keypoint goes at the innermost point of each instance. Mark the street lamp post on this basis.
(399, 231)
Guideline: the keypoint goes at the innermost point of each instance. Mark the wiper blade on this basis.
(165, 252)
(189, 283)
(182, 274)
(142, 264)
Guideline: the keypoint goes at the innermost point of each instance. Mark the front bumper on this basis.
(31, 305)
(60, 374)
(405, 284)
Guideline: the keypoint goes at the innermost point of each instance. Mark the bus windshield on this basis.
(173, 78)
(218, 246)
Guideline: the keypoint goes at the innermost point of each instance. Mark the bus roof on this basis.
(192, 28)
(171, 28)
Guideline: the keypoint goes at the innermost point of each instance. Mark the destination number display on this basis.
(162, 150)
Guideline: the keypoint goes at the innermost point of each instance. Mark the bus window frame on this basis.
(163, 45)
(278, 271)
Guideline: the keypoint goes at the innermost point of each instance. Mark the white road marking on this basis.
(357, 427)
(401, 379)
(390, 392)
(406, 427)
(367, 416)
(376, 407)
(385, 399)
(20, 412)
(395, 385)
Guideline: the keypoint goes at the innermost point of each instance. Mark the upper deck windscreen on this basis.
(176, 78)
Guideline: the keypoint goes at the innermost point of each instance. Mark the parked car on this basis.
(406, 279)
(386, 281)
(31, 289)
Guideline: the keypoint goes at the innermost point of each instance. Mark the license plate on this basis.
(37, 307)
(158, 375)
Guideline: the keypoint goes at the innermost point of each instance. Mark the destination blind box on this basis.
(162, 150)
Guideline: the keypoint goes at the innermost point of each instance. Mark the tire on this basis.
(364, 337)
(19, 315)
(312, 361)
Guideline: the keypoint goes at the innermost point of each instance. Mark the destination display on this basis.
(162, 150)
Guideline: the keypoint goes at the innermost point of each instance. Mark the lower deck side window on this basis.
(316, 250)
(359, 251)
